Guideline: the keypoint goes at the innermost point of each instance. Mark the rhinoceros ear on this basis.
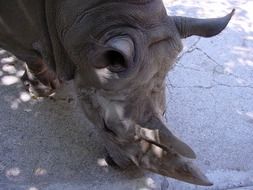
(201, 27)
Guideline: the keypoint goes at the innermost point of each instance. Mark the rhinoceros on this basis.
(118, 53)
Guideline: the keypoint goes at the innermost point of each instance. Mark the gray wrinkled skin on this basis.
(118, 53)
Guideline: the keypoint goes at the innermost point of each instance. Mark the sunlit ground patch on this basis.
(2, 52)
(40, 172)
(8, 60)
(250, 114)
(9, 69)
(33, 188)
(13, 172)
(9, 80)
(15, 104)
(102, 162)
(20, 73)
(25, 97)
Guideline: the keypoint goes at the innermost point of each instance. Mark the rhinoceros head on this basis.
(122, 51)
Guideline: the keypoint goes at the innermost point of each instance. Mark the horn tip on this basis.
(207, 183)
(203, 181)
(192, 155)
(232, 13)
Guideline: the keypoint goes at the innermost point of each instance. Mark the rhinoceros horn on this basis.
(156, 132)
(163, 153)
(201, 27)
(175, 166)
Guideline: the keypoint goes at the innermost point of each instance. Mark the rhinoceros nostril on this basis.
(115, 61)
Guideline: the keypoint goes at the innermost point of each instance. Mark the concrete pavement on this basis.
(48, 144)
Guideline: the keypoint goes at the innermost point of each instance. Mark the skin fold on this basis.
(118, 53)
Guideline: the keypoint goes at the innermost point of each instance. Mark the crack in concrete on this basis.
(215, 83)
(239, 187)
(208, 56)
(191, 49)
(209, 87)
(232, 86)
(228, 74)
(196, 86)
(189, 68)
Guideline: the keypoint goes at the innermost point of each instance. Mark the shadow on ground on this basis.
(49, 141)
